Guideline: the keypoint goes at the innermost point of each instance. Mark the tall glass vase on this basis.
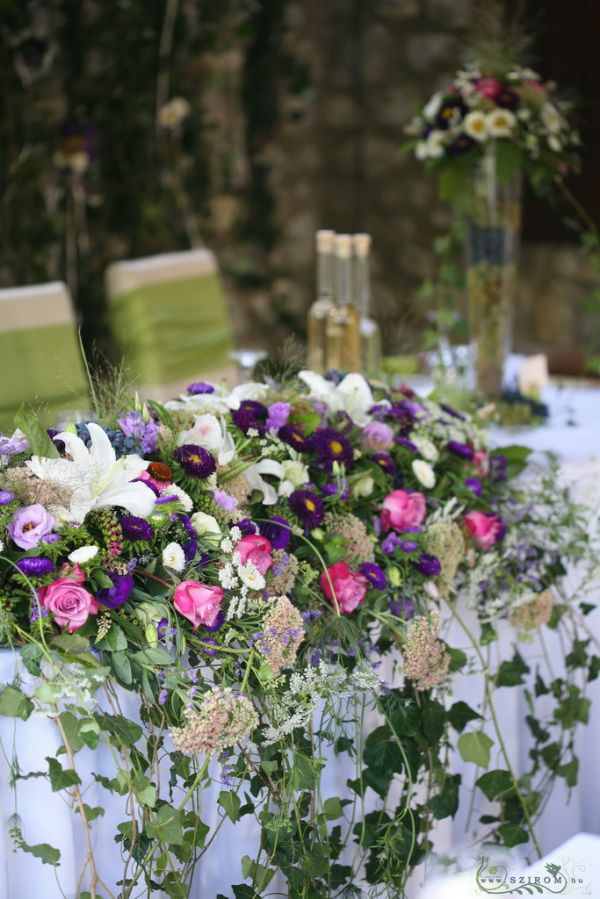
(494, 222)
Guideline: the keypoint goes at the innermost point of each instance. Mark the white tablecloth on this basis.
(574, 432)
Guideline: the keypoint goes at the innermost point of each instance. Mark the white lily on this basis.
(211, 434)
(352, 395)
(93, 478)
(253, 476)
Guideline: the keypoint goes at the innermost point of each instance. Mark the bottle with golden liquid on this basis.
(343, 321)
(317, 315)
(370, 332)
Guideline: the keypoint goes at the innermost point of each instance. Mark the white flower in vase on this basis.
(475, 125)
(552, 119)
(501, 122)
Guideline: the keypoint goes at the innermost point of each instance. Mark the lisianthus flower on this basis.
(462, 450)
(6, 497)
(308, 507)
(135, 528)
(278, 415)
(119, 593)
(485, 529)
(29, 525)
(402, 607)
(203, 524)
(349, 586)
(377, 436)
(195, 460)
(200, 387)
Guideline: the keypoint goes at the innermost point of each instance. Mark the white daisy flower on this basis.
(173, 557)
(82, 555)
(500, 122)
(551, 118)
(426, 448)
(424, 473)
(251, 576)
(435, 144)
(475, 125)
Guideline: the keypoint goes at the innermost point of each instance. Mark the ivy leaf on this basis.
(166, 826)
(494, 784)
(475, 747)
(594, 669)
(332, 808)
(243, 891)
(61, 778)
(230, 802)
(14, 704)
(510, 674)
(458, 658)
(460, 714)
(512, 834)
(71, 644)
(569, 771)
(126, 732)
(31, 656)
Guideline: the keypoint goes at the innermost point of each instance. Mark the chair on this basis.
(169, 319)
(40, 358)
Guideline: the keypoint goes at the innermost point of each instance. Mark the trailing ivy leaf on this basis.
(494, 784)
(434, 716)
(122, 667)
(445, 803)
(577, 658)
(488, 634)
(153, 657)
(230, 802)
(475, 747)
(243, 891)
(166, 826)
(512, 834)
(126, 732)
(517, 458)
(115, 640)
(261, 875)
(92, 813)
(305, 772)
(70, 725)
(61, 778)
(458, 658)
(39, 441)
(14, 704)
(333, 809)
(594, 669)
(460, 714)
(46, 853)
(31, 656)
(569, 771)
(510, 674)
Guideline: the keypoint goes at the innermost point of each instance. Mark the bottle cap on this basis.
(362, 244)
(343, 246)
(325, 241)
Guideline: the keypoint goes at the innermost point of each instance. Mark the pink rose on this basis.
(255, 549)
(72, 573)
(198, 602)
(481, 461)
(69, 603)
(489, 87)
(349, 586)
(485, 529)
(377, 436)
(402, 510)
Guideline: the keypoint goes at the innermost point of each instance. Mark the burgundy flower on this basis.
(195, 460)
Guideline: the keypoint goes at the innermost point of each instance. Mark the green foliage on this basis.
(15, 704)
(475, 747)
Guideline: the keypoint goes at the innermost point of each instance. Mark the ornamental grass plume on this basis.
(534, 613)
(283, 632)
(426, 661)
(445, 541)
(359, 546)
(224, 719)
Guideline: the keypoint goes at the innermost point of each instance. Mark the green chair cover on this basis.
(169, 330)
(40, 364)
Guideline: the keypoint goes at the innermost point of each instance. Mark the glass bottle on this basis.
(370, 333)
(343, 321)
(317, 315)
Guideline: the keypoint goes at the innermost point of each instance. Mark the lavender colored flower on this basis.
(389, 543)
(402, 607)
(224, 500)
(185, 522)
(408, 546)
(498, 466)
(135, 528)
(462, 450)
(250, 415)
(150, 437)
(6, 497)
(165, 498)
(217, 623)
(29, 525)
(332, 446)
(207, 646)
(195, 460)
(12, 446)
(200, 387)
(295, 437)
(278, 415)
(375, 576)
(377, 436)
(308, 507)
(429, 565)
(51, 538)
(474, 485)
(277, 531)
(35, 566)
(342, 490)
(119, 593)
(386, 463)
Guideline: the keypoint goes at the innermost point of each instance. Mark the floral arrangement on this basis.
(262, 567)
(511, 111)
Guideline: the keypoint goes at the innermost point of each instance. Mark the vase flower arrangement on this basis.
(242, 561)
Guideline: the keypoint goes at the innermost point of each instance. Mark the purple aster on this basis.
(251, 414)
(51, 538)
(278, 415)
(332, 446)
(462, 144)
(308, 507)
(35, 566)
(247, 527)
(386, 463)
(295, 437)
(277, 531)
(195, 460)
(217, 623)
(190, 548)
(375, 576)
(135, 528)
(119, 593)
(59, 444)
(402, 607)
(6, 497)
(429, 565)
(406, 443)
(474, 485)
(498, 466)
(408, 546)
(185, 522)
(452, 107)
(199, 387)
(462, 450)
